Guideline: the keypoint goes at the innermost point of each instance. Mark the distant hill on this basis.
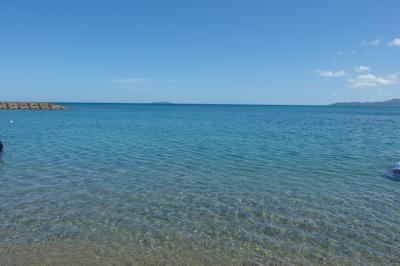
(161, 103)
(392, 102)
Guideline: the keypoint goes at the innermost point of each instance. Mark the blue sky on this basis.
(255, 52)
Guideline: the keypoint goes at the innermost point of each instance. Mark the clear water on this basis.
(200, 184)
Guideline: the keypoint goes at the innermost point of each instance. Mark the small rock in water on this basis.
(1, 146)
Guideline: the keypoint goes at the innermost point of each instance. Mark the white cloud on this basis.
(373, 42)
(362, 69)
(370, 80)
(394, 76)
(395, 43)
(331, 74)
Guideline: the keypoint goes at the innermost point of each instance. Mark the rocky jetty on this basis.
(30, 106)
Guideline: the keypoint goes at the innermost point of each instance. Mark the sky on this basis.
(188, 51)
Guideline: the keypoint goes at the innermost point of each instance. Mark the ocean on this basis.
(146, 184)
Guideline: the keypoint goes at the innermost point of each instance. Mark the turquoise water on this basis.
(200, 184)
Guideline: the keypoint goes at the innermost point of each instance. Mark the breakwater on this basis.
(30, 106)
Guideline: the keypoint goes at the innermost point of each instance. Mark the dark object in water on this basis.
(396, 168)
(1, 146)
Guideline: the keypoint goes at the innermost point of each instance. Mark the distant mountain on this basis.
(392, 102)
(161, 103)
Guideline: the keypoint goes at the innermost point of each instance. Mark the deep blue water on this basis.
(208, 184)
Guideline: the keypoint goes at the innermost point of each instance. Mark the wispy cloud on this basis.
(175, 80)
(128, 80)
(362, 69)
(395, 43)
(142, 83)
(331, 74)
(370, 80)
(373, 42)
(144, 80)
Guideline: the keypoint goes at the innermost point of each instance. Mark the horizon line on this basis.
(171, 103)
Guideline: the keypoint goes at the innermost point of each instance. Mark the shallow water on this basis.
(200, 184)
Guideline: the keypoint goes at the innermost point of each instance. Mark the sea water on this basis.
(200, 184)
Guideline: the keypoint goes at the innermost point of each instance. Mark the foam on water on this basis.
(187, 184)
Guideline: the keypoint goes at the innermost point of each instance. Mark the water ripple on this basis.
(245, 185)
